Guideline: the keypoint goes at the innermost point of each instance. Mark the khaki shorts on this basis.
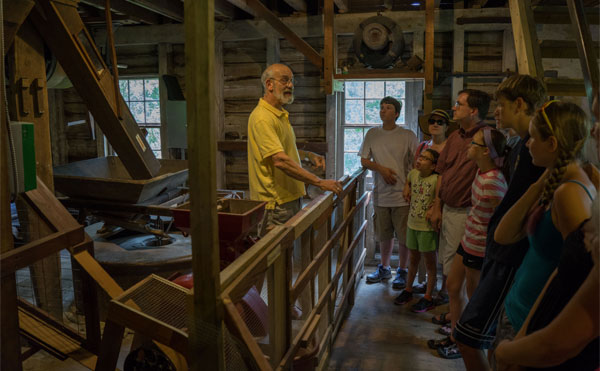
(388, 220)
(451, 233)
(278, 215)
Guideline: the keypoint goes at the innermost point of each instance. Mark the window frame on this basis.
(411, 105)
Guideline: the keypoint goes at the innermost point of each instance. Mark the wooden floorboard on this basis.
(379, 335)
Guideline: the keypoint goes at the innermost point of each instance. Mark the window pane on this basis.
(137, 110)
(395, 89)
(355, 112)
(123, 88)
(353, 139)
(372, 111)
(400, 120)
(152, 112)
(354, 89)
(374, 89)
(151, 92)
(157, 154)
(351, 162)
(136, 90)
(153, 138)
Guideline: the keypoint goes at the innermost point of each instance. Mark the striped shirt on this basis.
(488, 189)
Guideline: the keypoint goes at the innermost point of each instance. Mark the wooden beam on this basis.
(219, 114)
(204, 353)
(458, 60)
(560, 14)
(587, 53)
(10, 346)
(561, 49)
(429, 55)
(15, 13)
(65, 34)
(225, 9)
(304, 47)
(132, 11)
(329, 44)
(509, 56)
(164, 68)
(41, 248)
(529, 57)
(168, 8)
(310, 26)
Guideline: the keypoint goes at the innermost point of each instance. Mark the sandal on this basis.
(439, 343)
(445, 330)
(443, 319)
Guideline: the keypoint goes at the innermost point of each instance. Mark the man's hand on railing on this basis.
(330, 185)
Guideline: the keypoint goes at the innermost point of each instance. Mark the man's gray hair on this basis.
(267, 74)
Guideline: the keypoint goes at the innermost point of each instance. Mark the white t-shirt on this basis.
(394, 149)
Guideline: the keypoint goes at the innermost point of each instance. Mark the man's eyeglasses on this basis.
(284, 81)
(438, 122)
(478, 144)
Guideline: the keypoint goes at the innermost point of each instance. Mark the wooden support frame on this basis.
(529, 56)
(64, 32)
(205, 309)
(262, 11)
(429, 55)
(330, 46)
(310, 225)
(15, 13)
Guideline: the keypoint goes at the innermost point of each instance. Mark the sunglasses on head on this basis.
(439, 122)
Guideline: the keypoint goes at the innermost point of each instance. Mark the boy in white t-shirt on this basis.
(421, 239)
(388, 151)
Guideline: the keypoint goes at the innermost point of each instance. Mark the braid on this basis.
(555, 178)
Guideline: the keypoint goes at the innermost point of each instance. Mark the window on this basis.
(361, 112)
(142, 97)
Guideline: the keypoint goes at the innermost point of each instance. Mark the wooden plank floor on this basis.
(379, 335)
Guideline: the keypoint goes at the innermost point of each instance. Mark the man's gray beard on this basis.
(282, 98)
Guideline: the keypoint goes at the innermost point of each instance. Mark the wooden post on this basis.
(10, 346)
(273, 55)
(206, 350)
(58, 127)
(219, 121)
(529, 56)
(329, 43)
(164, 68)
(458, 58)
(29, 103)
(429, 55)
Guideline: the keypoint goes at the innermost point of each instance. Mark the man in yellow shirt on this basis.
(275, 173)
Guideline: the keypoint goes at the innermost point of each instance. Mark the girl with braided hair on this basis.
(549, 211)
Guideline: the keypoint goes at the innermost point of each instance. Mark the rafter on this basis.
(304, 47)
(168, 8)
(15, 14)
(132, 11)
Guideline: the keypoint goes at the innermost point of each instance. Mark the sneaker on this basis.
(449, 352)
(400, 281)
(445, 330)
(440, 299)
(420, 288)
(423, 305)
(403, 298)
(380, 274)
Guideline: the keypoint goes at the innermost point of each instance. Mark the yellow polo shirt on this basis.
(270, 132)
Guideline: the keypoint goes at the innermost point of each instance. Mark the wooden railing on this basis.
(312, 261)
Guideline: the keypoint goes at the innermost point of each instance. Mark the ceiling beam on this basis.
(302, 46)
(225, 9)
(298, 5)
(169, 8)
(134, 12)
